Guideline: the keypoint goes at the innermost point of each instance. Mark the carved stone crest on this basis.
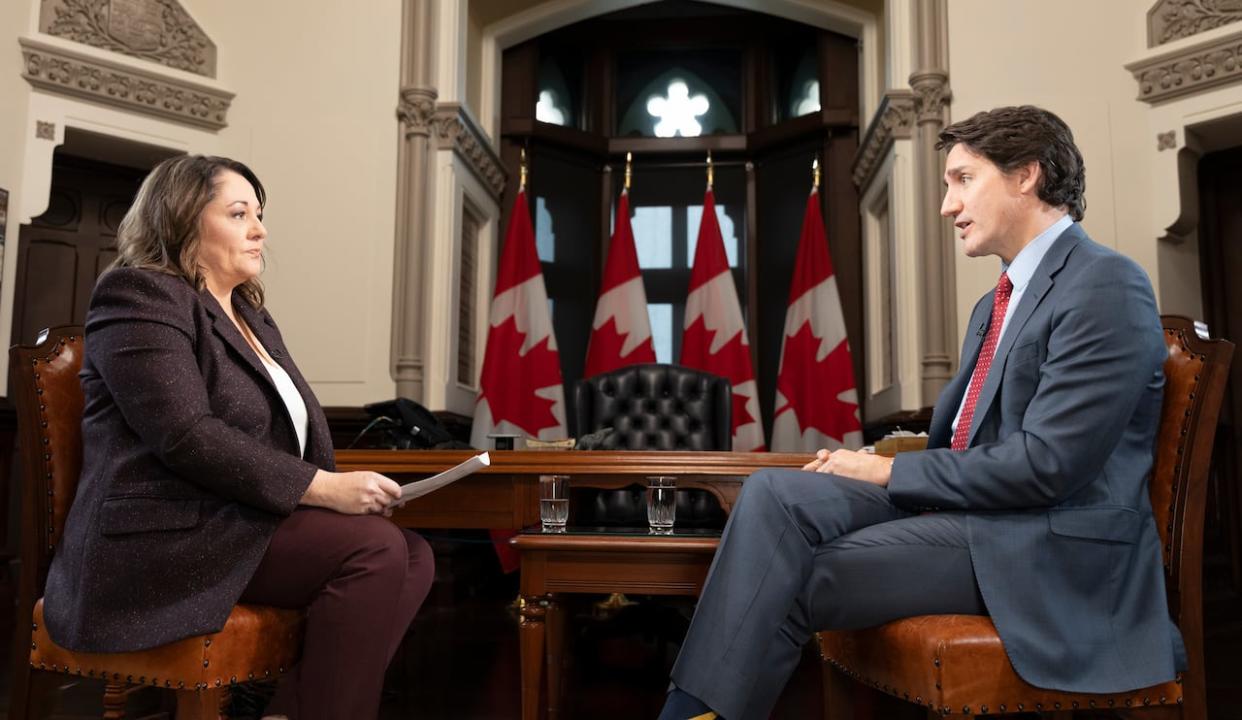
(157, 30)
(136, 23)
(1170, 20)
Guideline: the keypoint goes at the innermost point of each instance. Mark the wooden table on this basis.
(506, 495)
(593, 562)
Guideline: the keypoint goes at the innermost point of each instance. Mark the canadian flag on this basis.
(714, 338)
(520, 387)
(621, 333)
(816, 399)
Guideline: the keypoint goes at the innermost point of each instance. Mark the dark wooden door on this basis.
(61, 252)
(1220, 251)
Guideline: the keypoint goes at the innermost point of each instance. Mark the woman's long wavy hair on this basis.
(162, 229)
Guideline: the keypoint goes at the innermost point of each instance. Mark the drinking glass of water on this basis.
(553, 502)
(661, 503)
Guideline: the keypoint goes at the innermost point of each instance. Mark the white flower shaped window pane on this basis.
(677, 103)
(678, 111)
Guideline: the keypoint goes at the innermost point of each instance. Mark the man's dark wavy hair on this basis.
(1011, 137)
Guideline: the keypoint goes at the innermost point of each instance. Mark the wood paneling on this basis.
(61, 252)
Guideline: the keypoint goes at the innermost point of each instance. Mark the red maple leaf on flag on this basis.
(830, 377)
(731, 361)
(509, 379)
(606, 345)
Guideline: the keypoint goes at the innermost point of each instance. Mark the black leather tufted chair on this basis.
(653, 407)
(656, 407)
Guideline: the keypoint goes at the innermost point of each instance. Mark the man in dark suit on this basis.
(1030, 504)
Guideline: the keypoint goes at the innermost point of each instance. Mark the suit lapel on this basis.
(1041, 283)
(225, 328)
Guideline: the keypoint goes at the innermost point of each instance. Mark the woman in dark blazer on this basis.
(207, 475)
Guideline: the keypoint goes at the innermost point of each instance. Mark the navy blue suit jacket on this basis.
(1054, 481)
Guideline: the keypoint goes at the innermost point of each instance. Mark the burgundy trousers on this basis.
(361, 579)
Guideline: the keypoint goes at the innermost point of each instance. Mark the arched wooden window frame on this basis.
(771, 151)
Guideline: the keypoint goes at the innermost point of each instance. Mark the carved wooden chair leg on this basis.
(208, 704)
(114, 697)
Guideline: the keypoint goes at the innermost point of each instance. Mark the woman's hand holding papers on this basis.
(353, 493)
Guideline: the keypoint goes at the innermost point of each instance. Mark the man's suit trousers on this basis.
(804, 552)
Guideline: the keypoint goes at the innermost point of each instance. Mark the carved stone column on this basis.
(415, 110)
(930, 83)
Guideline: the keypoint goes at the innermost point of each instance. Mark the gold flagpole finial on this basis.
(709, 170)
(522, 172)
(814, 174)
(629, 158)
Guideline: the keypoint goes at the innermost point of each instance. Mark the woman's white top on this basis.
(289, 393)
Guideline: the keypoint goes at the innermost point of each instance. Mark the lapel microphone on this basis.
(983, 329)
(275, 353)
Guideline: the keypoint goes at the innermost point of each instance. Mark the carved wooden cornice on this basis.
(160, 31)
(64, 71)
(1170, 20)
(1190, 70)
(893, 120)
(456, 129)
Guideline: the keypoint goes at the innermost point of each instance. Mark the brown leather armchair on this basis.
(256, 643)
(955, 664)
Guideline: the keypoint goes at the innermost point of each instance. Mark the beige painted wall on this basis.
(14, 133)
(1067, 56)
(315, 116)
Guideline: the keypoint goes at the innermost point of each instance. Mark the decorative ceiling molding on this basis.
(1170, 20)
(455, 129)
(65, 71)
(1190, 70)
(893, 120)
(160, 31)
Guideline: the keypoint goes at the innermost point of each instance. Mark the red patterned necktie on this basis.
(1000, 301)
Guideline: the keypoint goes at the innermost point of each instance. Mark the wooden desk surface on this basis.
(506, 494)
(570, 462)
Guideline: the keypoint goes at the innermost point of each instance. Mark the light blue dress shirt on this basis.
(1020, 272)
